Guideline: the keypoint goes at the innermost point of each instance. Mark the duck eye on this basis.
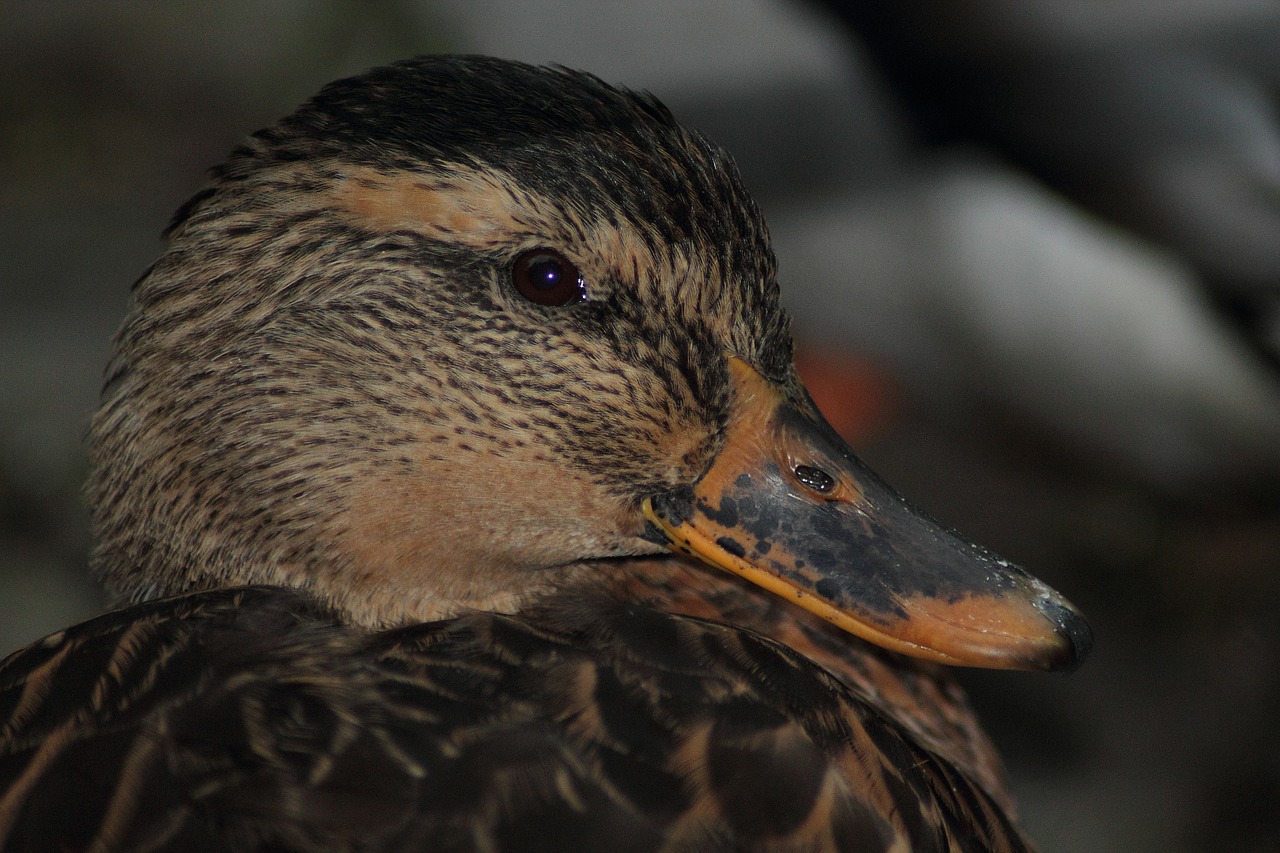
(547, 277)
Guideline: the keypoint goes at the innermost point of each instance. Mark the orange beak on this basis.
(787, 505)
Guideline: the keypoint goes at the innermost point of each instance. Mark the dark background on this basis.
(1033, 250)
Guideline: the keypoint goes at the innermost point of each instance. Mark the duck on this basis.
(455, 489)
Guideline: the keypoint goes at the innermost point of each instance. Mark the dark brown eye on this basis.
(547, 278)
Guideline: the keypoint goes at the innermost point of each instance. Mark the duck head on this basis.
(460, 328)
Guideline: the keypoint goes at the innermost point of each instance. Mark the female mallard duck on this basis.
(429, 377)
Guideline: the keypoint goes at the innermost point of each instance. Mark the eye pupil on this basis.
(545, 273)
(547, 277)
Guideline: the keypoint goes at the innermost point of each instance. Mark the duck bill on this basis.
(788, 506)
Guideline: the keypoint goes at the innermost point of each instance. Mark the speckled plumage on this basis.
(408, 348)
(398, 510)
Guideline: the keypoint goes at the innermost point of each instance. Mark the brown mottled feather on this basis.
(395, 512)
(248, 718)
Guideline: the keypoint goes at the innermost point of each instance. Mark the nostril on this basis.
(815, 478)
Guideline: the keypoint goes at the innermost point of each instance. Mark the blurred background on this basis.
(1033, 253)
